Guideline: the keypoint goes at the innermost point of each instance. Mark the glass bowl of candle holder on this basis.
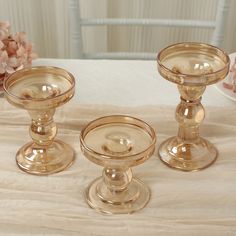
(40, 90)
(192, 66)
(117, 143)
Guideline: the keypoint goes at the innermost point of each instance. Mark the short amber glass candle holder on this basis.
(40, 90)
(117, 143)
(192, 66)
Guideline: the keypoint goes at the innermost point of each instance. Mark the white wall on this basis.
(47, 26)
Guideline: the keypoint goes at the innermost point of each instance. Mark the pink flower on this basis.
(15, 50)
(20, 38)
(232, 84)
(7, 64)
(11, 47)
(1, 44)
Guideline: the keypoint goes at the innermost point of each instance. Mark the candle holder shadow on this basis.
(40, 90)
(117, 143)
(192, 66)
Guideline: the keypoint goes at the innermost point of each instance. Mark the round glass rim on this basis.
(83, 134)
(198, 44)
(38, 69)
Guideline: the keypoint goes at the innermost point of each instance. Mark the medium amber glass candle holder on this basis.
(117, 143)
(40, 90)
(192, 66)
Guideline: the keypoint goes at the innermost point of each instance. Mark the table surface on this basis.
(196, 203)
(126, 83)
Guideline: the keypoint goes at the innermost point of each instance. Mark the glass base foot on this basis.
(44, 161)
(187, 156)
(134, 198)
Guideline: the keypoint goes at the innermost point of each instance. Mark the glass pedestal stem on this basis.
(188, 151)
(43, 129)
(116, 179)
(44, 155)
(189, 113)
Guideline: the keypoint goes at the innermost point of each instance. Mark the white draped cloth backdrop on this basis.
(46, 23)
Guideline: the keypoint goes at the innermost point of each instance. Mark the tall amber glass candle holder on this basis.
(40, 90)
(117, 143)
(192, 66)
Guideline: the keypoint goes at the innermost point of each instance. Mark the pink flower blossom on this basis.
(232, 84)
(20, 38)
(15, 50)
(1, 44)
(7, 64)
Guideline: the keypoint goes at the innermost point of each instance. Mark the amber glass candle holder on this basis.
(192, 66)
(40, 90)
(117, 143)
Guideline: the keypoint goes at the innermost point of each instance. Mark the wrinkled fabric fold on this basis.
(196, 203)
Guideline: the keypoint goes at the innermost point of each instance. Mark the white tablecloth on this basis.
(126, 83)
(197, 203)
